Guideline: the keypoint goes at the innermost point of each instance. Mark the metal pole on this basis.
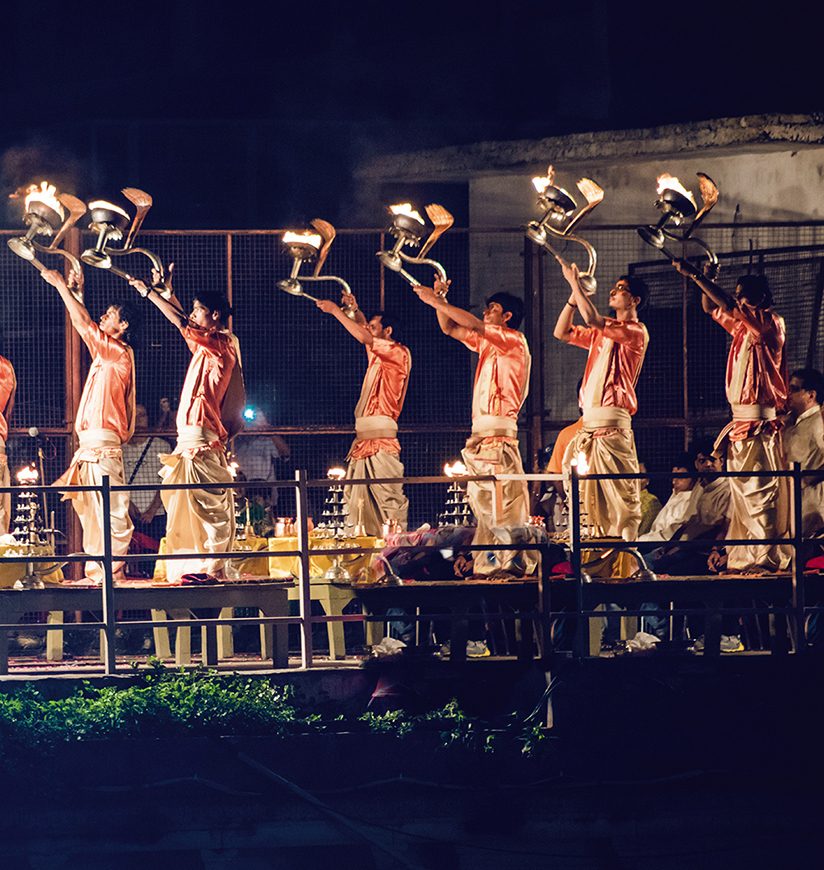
(304, 580)
(798, 561)
(108, 640)
(582, 630)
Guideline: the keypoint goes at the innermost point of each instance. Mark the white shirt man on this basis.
(804, 443)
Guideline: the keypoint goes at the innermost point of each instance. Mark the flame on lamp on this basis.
(27, 475)
(455, 469)
(45, 193)
(581, 461)
(109, 206)
(305, 237)
(405, 208)
(336, 473)
(233, 468)
(670, 182)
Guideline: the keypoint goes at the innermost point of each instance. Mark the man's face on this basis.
(376, 327)
(201, 315)
(800, 399)
(620, 297)
(111, 324)
(707, 463)
(752, 299)
(141, 418)
(644, 481)
(680, 484)
(494, 314)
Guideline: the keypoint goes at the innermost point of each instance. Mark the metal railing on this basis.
(798, 608)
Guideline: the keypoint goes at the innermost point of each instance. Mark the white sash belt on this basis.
(752, 412)
(91, 438)
(607, 418)
(377, 426)
(195, 436)
(490, 426)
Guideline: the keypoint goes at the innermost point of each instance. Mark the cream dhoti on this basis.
(493, 449)
(607, 445)
(98, 455)
(759, 506)
(5, 497)
(374, 453)
(197, 520)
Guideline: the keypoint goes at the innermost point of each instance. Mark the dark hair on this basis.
(214, 300)
(813, 380)
(682, 460)
(702, 445)
(388, 320)
(510, 303)
(638, 288)
(129, 312)
(756, 290)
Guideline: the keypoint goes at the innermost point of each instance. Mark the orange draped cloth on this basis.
(756, 388)
(214, 357)
(8, 384)
(756, 367)
(616, 354)
(107, 401)
(501, 386)
(105, 419)
(382, 395)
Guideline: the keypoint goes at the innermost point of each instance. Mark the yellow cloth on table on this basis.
(257, 566)
(11, 572)
(289, 566)
(604, 564)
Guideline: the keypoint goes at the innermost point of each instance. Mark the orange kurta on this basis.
(502, 375)
(214, 357)
(383, 392)
(556, 461)
(107, 401)
(756, 367)
(8, 383)
(616, 354)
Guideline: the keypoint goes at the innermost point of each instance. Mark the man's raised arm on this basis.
(712, 295)
(358, 331)
(77, 310)
(453, 321)
(171, 308)
(583, 302)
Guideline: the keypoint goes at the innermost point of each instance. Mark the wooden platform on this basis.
(270, 598)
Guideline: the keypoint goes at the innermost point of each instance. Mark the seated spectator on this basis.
(674, 513)
(650, 503)
(804, 443)
(706, 518)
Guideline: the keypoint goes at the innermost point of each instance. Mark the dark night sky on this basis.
(244, 114)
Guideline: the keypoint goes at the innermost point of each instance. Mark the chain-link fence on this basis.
(304, 371)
